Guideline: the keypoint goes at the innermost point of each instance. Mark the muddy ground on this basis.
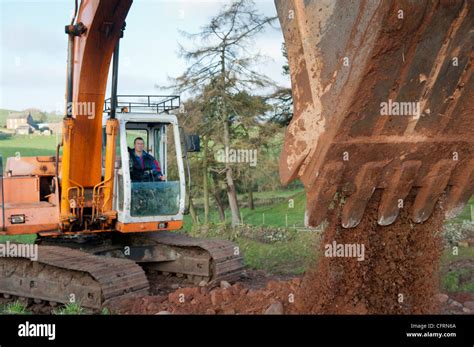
(399, 275)
(257, 292)
(265, 296)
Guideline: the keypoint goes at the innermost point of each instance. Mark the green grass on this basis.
(453, 282)
(27, 145)
(457, 279)
(71, 308)
(27, 238)
(288, 257)
(280, 214)
(462, 253)
(14, 308)
(275, 250)
(286, 193)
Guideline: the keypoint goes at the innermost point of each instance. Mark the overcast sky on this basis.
(33, 47)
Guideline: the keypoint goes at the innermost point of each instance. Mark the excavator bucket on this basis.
(383, 99)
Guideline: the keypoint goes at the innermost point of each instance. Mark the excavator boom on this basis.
(93, 49)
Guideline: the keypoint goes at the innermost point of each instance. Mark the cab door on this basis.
(152, 200)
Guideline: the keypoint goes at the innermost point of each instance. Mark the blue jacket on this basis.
(140, 165)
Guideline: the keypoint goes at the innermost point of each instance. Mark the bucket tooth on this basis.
(321, 193)
(399, 185)
(462, 189)
(366, 182)
(433, 185)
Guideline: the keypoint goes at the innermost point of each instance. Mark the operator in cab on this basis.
(143, 166)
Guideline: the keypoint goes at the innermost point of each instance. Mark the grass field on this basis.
(456, 276)
(287, 211)
(27, 145)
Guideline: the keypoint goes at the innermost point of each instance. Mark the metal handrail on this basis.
(162, 103)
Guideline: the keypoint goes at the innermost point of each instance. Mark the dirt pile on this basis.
(227, 299)
(397, 274)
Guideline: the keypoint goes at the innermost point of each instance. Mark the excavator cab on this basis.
(152, 199)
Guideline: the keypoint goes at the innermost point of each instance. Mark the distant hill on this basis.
(38, 115)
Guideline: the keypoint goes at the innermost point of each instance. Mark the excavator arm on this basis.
(94, 35)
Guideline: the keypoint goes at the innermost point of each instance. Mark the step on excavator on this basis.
(98, 222)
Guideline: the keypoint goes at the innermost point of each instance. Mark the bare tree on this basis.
(220, 67)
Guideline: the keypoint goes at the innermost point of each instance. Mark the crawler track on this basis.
(70, 272)
(211, 261)
(64, 275)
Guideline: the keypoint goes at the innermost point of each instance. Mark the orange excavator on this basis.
(382, 94)
(95, 220)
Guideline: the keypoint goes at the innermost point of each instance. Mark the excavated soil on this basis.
(399, 275)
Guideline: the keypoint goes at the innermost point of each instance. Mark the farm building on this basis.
(24, 129)
(15, 120)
